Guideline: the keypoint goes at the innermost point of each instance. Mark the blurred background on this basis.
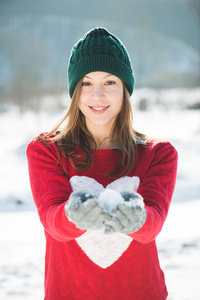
(163, 41)
(36, 37)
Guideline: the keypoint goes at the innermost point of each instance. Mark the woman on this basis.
(102, 189)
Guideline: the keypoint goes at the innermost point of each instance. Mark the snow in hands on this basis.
(114, 208)
(114, 193)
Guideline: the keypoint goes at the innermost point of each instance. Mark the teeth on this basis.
(98, 108)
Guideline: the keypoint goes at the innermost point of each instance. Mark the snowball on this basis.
(109, 199)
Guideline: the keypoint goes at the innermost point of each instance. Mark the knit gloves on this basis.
(83, 210)
(128, 216)
(86, 212)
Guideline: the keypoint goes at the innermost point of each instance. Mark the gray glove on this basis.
(83, 210)
(129, 216)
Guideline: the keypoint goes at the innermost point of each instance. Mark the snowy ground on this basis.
(21, 234)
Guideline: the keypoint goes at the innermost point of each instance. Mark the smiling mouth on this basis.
(98, 108)
(101, 108)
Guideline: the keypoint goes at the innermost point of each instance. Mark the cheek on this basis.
(83, 97)
(120, 107)
(119, 101)
(81, 101)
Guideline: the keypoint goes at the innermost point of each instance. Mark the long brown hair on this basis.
(74, 133)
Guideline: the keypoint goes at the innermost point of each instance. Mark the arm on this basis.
(51, 190)
(156, 188)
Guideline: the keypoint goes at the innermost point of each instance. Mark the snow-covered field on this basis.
(21, 235)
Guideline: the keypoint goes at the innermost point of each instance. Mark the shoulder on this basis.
(156, 150)
(41, 144)
(157, 158)
(154, 144)
(162, 150)
(159, 145)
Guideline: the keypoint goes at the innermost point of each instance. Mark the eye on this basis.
(86, 83)
(110, 82)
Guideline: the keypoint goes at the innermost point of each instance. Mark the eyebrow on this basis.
(103, 77)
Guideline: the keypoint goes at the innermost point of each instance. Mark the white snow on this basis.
(22, 256)
(22, 244)
(109, 199)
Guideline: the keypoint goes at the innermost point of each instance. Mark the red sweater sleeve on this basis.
(157, 187)
(51, 189)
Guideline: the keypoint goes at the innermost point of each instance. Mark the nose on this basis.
(98, 92)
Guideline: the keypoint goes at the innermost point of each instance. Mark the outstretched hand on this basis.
(128, 216)
(83, 210)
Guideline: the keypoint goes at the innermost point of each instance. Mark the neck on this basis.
(102, 138)
(107, 143)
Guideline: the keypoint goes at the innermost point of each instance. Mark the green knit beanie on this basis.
(99, 50)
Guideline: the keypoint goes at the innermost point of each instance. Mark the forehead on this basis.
(99, 75)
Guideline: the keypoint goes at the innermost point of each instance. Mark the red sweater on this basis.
(90, 265)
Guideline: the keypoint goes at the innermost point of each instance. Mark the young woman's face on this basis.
(101, 99)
